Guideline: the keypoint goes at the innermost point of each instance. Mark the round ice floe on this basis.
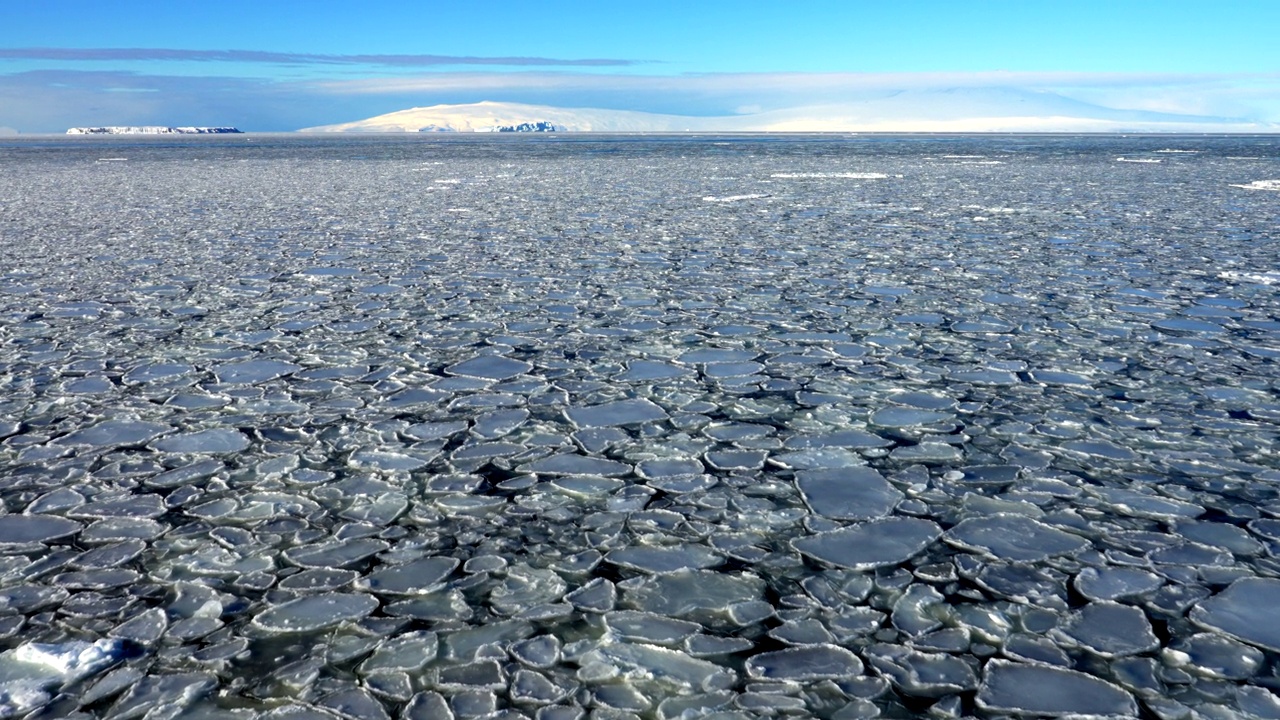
(315, 612)
(855, 493)
(922, 674)
(1110, 630)
(334, 554)
(649, 370)
(1141, 504)
(1248, 610)
(571, 464)
(407, 652)
(490, 367)
(153, 372)
(1215, 656)
(929, 453)
(23, 529)
(622, 412)
(318, 580)
(214, 440)
(896, 416)
(1015, 538)
(585, 487)
(663, 666)
(1223, 535)
(386, 461)
(870, 545)
(667, 559)
(116, 433)
(252, 372)
(668, 467)
(1046, 690)
(692, 593)
(649, 627)
(816, 458)
(812, 662)
(539, 652)
(525, 587)
(1115, 582)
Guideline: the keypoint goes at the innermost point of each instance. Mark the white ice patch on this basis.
(30, 671)
(1262, 278)
(1273, 185)
(733, 198)
(1147, 161)
(830, 175)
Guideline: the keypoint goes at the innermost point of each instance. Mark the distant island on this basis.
(151, 130)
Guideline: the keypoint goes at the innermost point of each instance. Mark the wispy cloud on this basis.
(262, 56)
(765, 82)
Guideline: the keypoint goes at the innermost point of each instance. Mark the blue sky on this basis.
(282, 65)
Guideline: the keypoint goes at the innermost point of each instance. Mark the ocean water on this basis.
(639, 426)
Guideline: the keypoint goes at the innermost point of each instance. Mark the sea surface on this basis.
(658, 427)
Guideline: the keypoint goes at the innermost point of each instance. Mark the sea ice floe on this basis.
(573, 464)
(1212, 655)
(870, 545)
(25, 529)
(622, 412)
(32, 672)
(814, 662)
(490, 367)
(662, 667)
(1260, 185)
(315, 612)
(854, 493)
(1110, 629)
(922, 674)
(254, 372)
(116, 433)
(1116, 582)
(1249, 609)
(334, 554)
(213, 440)
(665, 559)
(650, 628)
(700, 595)
(1014, 538)
(1044, 690)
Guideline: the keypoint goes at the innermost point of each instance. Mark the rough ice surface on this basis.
(32, 673)
(639, 427)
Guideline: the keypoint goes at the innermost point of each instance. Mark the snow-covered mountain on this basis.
(934, 110)
(150, 130)
(488, 116)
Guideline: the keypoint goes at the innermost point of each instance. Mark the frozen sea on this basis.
(576, 426)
